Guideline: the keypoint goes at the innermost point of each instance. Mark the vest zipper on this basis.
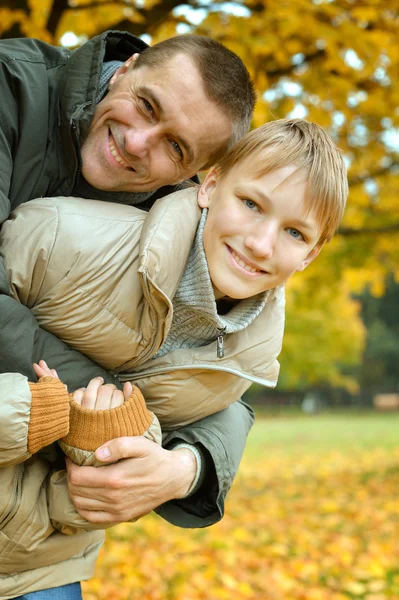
(220, 343)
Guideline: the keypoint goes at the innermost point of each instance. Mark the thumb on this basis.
(123, 447)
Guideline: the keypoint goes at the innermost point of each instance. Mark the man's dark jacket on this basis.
(48, 98)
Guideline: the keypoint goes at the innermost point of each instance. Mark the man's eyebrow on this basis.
(151, 95)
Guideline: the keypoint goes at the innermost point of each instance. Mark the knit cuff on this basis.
(49, 413)
(89, 428)
(196, 484)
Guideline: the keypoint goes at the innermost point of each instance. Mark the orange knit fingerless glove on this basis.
(89, 428)
(49, 413)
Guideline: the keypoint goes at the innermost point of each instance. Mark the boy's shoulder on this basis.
(82, 207)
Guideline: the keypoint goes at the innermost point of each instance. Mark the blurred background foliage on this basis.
(332, 61)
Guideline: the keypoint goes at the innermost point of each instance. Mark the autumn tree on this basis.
(335, 62)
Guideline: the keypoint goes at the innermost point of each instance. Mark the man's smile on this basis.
(115, 153)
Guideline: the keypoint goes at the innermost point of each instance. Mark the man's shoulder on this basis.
(30, 50)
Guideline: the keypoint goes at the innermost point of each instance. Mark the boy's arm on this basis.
(32, 416)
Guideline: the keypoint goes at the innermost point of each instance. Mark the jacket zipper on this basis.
(75, 129)
(159, 370)
(220, 343)
(15, 502)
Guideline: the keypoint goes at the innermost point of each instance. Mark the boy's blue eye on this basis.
(250, 204)
(297, 235)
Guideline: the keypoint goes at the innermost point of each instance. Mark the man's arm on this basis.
(151, 477)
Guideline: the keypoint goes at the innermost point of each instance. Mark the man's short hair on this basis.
(226, 80)
(308, 146)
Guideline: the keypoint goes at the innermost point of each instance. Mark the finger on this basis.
(78, 395)
(42, 370)
(117, 398)
(54, 373)
(90, 396)
(104, 396)
(84, 479)
(39, 371)
(100, 517)
(127, 390)
(124, 447)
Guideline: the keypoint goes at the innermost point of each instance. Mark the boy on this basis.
(189, 296)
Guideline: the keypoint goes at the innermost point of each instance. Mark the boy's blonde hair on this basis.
(308, 146)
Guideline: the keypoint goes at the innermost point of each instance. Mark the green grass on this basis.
(323, 432)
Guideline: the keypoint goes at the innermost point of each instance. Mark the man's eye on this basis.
(250, 204)
(297, 235)
(147, 106)
(176, 148)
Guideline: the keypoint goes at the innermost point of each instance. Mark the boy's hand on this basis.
(100, 396)
(42, 370)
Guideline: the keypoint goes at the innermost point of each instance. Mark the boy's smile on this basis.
(258, 230)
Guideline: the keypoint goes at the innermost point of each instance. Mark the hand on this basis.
(42, 370)
(148, 476)
(100, 396)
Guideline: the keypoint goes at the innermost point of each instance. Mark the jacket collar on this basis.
(80, 81)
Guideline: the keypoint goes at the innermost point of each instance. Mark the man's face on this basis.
(154, 127)
(258, 231)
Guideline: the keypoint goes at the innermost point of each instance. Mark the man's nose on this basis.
(138, 142)
(262, 239)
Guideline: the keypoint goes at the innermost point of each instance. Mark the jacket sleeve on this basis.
(221, 440)
(32, 416)
(23, 342)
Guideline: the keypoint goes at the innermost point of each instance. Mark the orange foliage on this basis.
(321, 526)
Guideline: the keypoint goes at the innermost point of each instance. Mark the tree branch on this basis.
(358, 179)
(98, 4)
(349, 231)
(58, 9)
(15, 5)
(308, 58)
(152, 17)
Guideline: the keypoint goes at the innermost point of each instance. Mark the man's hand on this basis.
(148, 476)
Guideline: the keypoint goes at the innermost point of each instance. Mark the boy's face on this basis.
(258, 231)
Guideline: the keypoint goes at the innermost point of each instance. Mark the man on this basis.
(113, 122)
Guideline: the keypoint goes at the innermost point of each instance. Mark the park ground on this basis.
(313, 515)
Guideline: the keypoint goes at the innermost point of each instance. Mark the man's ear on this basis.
(311, 256)
(122, 69)
(206, 189)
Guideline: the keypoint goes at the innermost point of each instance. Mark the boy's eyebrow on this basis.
(157, 102)
(303, 224)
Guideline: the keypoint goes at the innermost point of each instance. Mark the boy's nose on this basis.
(262, 240)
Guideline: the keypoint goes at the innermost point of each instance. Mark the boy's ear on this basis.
(311, 256)
(122, 69)
(206, 189)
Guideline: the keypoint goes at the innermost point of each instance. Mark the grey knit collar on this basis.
(109, 68)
